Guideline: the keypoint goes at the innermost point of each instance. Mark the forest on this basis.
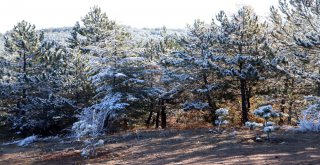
(90, 93)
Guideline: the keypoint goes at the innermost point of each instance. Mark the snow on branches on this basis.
(310, 117)
(92, 119)
(222, 115)
(195, 105)
(253, 125)
(266, 112)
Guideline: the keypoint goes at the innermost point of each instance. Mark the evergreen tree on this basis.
(79, 86)
(95, 29)
(202, 63)
(169, 85)
(294, 36)
(243, 41)
(302, 18)
(113, 69)
(288, 63)
(24, 42)
(96, 26)
(6, 81)
(39, 67)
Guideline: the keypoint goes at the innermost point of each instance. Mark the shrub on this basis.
(310, 117)
(92, 120)
(266, 112)
(222, 115)
(42, 116)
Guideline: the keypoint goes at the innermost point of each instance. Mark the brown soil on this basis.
(193, 146)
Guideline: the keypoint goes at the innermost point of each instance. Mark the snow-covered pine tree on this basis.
(85, 39)
(199, 62)
(294, 39)
(93, 30)
(115, 69)
(170, 78)
(242, 39)
(155, 89)
(286, 62)
(38, 68)
(80, 87)
(303, 18)
(151, 52)
(74, 41)
(222, 117)
(23, 41)
(5, 76)
(6, 82)
(96, 26)
(266, 112)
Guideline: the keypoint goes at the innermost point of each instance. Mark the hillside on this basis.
(139, 34)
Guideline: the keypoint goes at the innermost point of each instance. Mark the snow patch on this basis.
(28, 140)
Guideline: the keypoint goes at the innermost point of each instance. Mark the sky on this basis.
(135, 13)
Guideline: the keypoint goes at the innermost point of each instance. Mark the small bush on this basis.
(310, 117)
(42, 116)
(265, 112)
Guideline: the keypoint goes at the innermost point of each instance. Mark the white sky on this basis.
(136, 13)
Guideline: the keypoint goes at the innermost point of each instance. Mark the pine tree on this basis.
(96, 26)
(152, 71)
(242, 39)
(113, 69)
(39, 69)
(198, 56)
(169, 86)
(295, 41)
(5, 80)
(302, 17)
(24, 41)
(80, 88)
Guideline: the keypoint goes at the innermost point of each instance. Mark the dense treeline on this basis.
(103, 76)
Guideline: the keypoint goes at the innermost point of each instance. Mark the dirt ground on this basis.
(170, 146)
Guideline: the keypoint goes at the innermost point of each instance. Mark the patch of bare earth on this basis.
(193, 146)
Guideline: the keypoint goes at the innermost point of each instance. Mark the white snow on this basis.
(222, 111)
(310, 120)
(120, 75)
(28, 140)
(92, 119)
(99, 143)
(253, 125)
(195, 105)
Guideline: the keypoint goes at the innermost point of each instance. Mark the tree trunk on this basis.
(248, 94)
(283, 102)
(243, 101)
(290, 102)
(157, 119)
(318, 91)
(163, 114)
(290, 112)
(243, 90)
(125, 124)
(106, 122)
(148, 121)
(210, 101)
(284, 96)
